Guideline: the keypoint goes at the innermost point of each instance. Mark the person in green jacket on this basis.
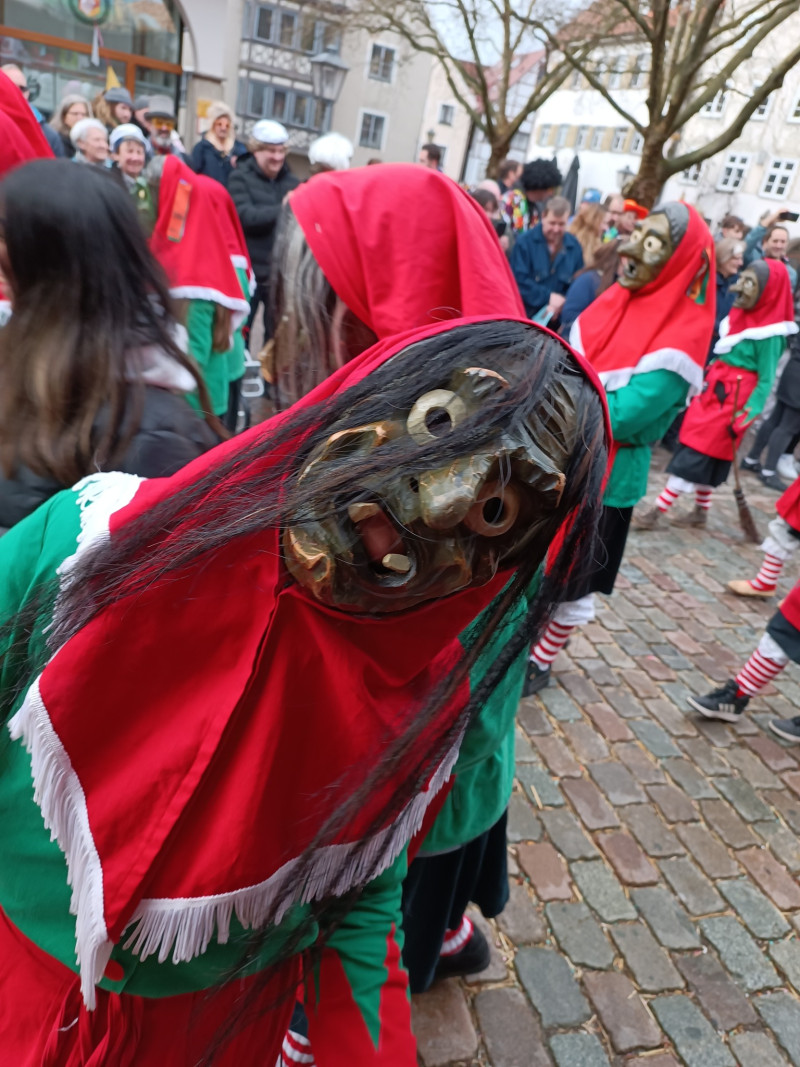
(752, 340)
(647, 338)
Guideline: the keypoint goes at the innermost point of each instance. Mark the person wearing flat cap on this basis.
(258, 186)
(164, 139)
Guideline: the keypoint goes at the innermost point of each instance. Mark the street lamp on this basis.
(625, 177)
(327, 76)
(431, 135)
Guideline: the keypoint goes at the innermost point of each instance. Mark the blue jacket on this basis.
(208, 160)
(579, 296)
(538, 276)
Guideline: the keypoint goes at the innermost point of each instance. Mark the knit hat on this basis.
(591, 196)
(82, 127)
(161, 107)
(267, 131)
(127, 131)
(118, 95)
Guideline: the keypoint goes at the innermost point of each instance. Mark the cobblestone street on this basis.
(655, 903)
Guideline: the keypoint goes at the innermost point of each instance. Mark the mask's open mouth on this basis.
(386, 553)
(631, 268)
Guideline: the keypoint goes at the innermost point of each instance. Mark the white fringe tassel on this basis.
(185, 926)
(58, 792)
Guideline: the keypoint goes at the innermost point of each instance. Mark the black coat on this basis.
(258, 201)
(788, 391)
(170, 434)
(208, 160)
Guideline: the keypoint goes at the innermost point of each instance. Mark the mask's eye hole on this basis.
(435, 415)
(652, 244)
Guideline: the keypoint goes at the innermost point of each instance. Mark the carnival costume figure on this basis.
(238, 691)
(647, 338)
(752, 340)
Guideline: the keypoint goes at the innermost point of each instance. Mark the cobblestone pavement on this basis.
(655, 903)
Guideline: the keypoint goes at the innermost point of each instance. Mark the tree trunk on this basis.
(500, 147)
(646, 186)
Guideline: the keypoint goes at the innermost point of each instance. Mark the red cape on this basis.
(397, 266)
(194, 239)
(667, 324)
(773, 315)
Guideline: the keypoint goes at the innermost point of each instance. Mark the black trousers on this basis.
(260, 296)
(437, 890)
(776, 435)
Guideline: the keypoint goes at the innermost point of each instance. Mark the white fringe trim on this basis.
(753, 333)
(237, 304)
(58, 792)
(185, 926)
(99, 496)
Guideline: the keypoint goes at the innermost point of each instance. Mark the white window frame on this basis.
(779, 166)
(715, 108)
(598, 136)
(619, 138)
(447, 114)
(794, 114)
(562, 132)
(761, 112)
(362, 113)
(734, 161)
(582, 137)
(618, 68)
(385, 48)
(641, 68)
(543, 135)
(692, 175)
(637, 143)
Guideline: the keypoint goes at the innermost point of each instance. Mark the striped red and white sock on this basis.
(767, 577)
(666, 499)
(552, 641)
(756, 673)
(702, 496)
(296, 1050)
(455, 940)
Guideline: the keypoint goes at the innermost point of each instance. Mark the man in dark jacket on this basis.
(258, 186)
(545, 260)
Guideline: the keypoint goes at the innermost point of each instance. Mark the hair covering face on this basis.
(665, 325)
(386, 262)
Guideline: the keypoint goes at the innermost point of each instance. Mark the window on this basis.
(372, 130)
(619, 139)
(733, 170)
(543, 136)
(778, 178)
(641, 68)
(601, 70)
(692, 175)
(279, 109)
(582, 137)
(716, 106)
(617, 70)
(637, 144)
(288, 29)
(446, 114)
(598, 136)
(561, 136)
(762, 109)
(575, 80)
(795, 115)
(257, 99)
(381, 63)
(300, 109)
(264, 19)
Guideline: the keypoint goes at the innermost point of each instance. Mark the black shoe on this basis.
(772, 481)
(788, 729)
(751, 465)
(473, 958)
(536, 679)
(722, 703)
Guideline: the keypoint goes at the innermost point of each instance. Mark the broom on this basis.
(746, 520)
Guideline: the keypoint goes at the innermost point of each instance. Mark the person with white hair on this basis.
(218, 150)
(259, 185)
(331, 151)
(90, 140)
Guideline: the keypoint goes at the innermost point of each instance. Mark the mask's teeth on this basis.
(393, 561)
(359, 512)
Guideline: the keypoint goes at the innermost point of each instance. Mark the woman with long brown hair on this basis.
(90, 370)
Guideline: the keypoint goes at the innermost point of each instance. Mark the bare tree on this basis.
(693, 49)
(478, 44)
